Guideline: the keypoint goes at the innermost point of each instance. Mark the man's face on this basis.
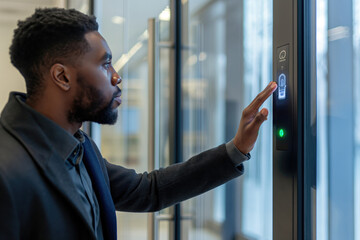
(97, 95)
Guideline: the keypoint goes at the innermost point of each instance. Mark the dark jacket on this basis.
(38, 199)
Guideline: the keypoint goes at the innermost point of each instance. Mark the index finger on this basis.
(262, 96)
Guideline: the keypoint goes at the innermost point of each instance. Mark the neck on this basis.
(56, 111)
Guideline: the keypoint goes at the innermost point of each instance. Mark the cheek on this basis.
(98, 77)
(103, 71)
(103, 75)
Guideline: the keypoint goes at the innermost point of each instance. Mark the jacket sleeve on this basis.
(9, 222)
(164, 187)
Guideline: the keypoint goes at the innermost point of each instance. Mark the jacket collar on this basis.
(47, 143)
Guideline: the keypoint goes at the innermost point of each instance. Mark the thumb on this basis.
(264, 112)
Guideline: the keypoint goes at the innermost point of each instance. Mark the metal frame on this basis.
(287, 156)
(152, 226)
(178, 148)
(308, 58)
(294, 197)
(175, 110)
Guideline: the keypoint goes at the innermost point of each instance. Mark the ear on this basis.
(61, 76)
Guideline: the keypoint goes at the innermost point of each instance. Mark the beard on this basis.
(91, 105)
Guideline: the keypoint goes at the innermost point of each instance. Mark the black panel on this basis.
(283, 100)
(286, 115)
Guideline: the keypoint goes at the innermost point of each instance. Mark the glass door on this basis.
(161, 104)
(227, 60)
(124, 24)
(330, 86)
(338, 119)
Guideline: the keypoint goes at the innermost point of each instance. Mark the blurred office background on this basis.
(226, 61)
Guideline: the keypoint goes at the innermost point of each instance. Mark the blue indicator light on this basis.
(282, 86)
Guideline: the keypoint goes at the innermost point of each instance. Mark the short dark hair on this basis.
(46, 37)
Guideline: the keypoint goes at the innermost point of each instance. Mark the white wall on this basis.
(10, 12)
(10, 78)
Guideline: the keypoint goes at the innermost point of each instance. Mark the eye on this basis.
(107, 65)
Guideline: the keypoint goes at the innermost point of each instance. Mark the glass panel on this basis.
(203, 86)
(164, 233)
(227, 62)
(163, 114)
(356, 101)
(124, 25)
(338, 108)
(257, 192)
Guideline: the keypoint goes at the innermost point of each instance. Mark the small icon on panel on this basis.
(282, 86)
(282, 55)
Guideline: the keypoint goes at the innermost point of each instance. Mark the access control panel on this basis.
(287, 120)
(282, 100)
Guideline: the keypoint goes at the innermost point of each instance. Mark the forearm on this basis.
(164, 187)
(199, 174)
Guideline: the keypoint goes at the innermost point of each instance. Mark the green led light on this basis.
(281, 133)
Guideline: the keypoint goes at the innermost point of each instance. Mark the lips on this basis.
(117, 97)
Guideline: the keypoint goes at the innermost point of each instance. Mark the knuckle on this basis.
(246, 112)
(259, 99)
(259, 118)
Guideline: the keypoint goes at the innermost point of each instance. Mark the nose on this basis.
(116, 79)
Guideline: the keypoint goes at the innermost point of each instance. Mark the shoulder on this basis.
(10, 147)
(14, 158)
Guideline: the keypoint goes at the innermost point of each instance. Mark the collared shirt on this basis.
(82, 181)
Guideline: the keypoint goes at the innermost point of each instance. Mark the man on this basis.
(54, 183)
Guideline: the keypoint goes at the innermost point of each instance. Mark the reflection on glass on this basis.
(124, 26)
(203, 88)
(338, 119)
(356, 45)
(322, 166)
(165, 233)
(81, 5)
(257, 192)
(163, 114)
(226, 62)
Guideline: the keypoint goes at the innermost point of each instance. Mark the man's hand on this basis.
(251, 120)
